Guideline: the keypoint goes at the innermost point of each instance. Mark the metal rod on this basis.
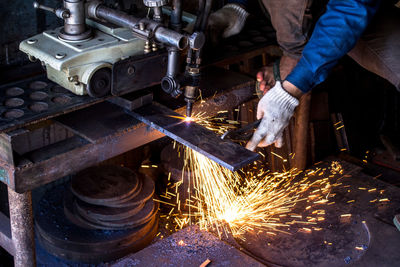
(200, 14)
(142, 26)
(301, 132)
(207, 11)
(176, 15)
(22, 231)
(173, 62)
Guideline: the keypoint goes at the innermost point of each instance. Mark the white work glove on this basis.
(275, 108)
(227, 21)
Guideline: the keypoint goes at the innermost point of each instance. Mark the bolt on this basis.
(60, 55)
(141, 26)
(147, 47)
(32, 41)
(131, 70)
(72, 79)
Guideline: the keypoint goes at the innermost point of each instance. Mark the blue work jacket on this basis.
(335, 34)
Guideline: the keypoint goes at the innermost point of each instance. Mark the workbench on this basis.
(39, 150)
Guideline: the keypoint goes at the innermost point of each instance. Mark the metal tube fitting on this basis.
(171, 38)
(157, 14)
(173, 60)
(170, 84)
(144, 28)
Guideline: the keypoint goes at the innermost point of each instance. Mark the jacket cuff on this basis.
(301, 77)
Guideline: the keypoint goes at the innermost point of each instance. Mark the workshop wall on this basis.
(20, 20)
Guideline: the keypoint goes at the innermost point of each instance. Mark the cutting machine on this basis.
(86, 55)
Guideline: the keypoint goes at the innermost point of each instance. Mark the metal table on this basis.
(36, 151)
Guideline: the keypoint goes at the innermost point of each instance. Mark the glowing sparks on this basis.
(253, 199)
(237, 202)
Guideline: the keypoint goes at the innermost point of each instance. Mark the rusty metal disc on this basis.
(144, 195)
(104, 254)
(57, 234)
(97, 212)
(102, 184)
(144, 216)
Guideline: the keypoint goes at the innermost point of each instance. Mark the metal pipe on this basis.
(173, 60)
(145, 28)
(75, 24)
(176, 15)
(207, 11)
(22, 233)
(302, 118)
(114, 16)
(171, 38)
(200, 14)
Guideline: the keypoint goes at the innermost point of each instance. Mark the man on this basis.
(308, 58)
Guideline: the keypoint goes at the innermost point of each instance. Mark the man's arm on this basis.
(335, 34)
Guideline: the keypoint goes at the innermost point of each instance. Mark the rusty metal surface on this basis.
(99, 121)
(34, 100)
(226, 153)
(30, 176)
(146, 214)
(370, 228)
(21, 220)
(188, 247)
(106, 213)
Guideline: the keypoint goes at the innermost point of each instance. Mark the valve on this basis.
(62, 13)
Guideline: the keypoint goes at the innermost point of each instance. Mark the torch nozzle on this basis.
(189, 106)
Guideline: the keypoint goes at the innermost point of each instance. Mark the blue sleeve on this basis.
(334, 35)
(240, 2)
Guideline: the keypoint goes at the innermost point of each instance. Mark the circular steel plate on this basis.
(102, 184)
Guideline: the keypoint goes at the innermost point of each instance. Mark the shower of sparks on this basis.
(238, 202)
(254, 199)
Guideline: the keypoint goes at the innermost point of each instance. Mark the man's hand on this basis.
(266, 76)
(226, 22)
(275, 109)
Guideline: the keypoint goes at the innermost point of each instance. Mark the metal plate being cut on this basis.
(226, 153)
(102, 184)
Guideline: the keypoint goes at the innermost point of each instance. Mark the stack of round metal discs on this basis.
(105, 213)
